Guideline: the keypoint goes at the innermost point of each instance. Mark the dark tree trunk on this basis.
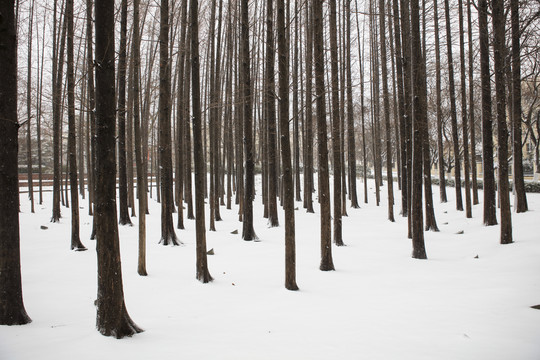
(288, 184)
(463, 88)
(520, 200)
(336, 122)
(360, 57)
(29, 112)
(502, 130)
(351, 146)
(471, 108)
(296, 116)
(487, 121)
(271, 117)
(248, 233)
(12, 311)
(76, 243)
(168, 235)
(308, 172)
(420, 120)
(401, 110)
(58, 62)
(440, 146)
(122, 171)
(139, 158)
(324, 186)
(203, 274)
(112, 316)
(91, 107)
(453, 111)
(386, 105)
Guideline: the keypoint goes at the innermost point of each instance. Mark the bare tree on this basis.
(327, 263)
(76, 243)
(203, 274)
(165, 155)
(112, 316)
(502, 130)
(487, 122)
(12, 311)
(288, 184)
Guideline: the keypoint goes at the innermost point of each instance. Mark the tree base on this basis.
(17, 317)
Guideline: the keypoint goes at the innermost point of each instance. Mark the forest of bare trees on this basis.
(188, 103)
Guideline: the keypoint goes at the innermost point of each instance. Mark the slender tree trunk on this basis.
(336, 141)
(386, 105)
(76, 243)
(271, 117)
(324, 186)
(471, 108)
(12, 311)
(502, 130)
(139, 158)
(440, 146)
(112, 316)
(203, 274)
(29, 112)
(420, 119)
(453, 111)
(167, 228)
(520, 200)
(57, 92)
(308, 174)
(288, 184)
(122, 171)
(466, 158)
(248, 233)
(487, 122)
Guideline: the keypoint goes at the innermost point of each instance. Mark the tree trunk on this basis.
(308, 173)
(453, 112)
(203, 274)
(502, 130)
(112, 316)
(29, 112)
(386, 105)
(440, 145)
(420, 120)
(336, 141)
(471, 108)
(324, 186)
(271, 117)
(487, 125)
(122, 175)
(165, 156)
(12, 311)
(288, 184)
(520, 200)
(248, 233)
(76, 243)
(466, 158)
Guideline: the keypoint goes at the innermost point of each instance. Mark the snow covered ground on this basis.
(378, 304)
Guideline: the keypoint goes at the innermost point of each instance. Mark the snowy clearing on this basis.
(378, 304)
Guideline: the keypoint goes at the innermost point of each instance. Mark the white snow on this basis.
(378, 304)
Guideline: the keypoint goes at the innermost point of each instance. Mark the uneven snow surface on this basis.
(378, 304)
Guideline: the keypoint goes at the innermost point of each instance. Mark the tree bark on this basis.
(112, 316)
(420, 120)
(502, 130)
(248, 233)
(487, 125)
(168, 235)
(453, 112)
(12, 311)
(76, 243)
(122, 171)
(203, 274)
(327, 263)
(520, 200)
